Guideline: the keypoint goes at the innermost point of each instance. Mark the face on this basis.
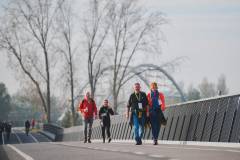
(105, 103)
(137, 87)
(154, 87)
(88, 95)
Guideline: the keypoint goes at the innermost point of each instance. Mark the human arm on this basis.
(162, 98)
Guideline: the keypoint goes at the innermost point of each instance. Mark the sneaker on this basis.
(89, 141)
(137, 143)
(109, 140)
(155, 142)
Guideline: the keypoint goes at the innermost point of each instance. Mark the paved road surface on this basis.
(119, 151)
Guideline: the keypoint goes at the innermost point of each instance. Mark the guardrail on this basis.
(53, 131)
(211, 120)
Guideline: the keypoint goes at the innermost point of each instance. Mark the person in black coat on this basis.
(27, 126)
(8, 130)
(104, 114)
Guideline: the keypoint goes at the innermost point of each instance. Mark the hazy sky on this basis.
(205, 31)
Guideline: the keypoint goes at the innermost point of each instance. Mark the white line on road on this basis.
(139, 153)
(156, 156)
(3, 138)
(24, 155)
(236, 151)
(33, 138)
(19, 140)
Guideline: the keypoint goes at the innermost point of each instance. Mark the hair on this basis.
(153, 85)
(137, 83)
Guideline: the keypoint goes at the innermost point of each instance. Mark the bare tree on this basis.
(207, 89)
(27, 36)
(65, 29)
(221, 85)
(95, 31)
(132, 31)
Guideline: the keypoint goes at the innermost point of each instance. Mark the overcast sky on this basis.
(205, 31)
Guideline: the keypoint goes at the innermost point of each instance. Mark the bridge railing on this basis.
(55, 130)
(212, 120)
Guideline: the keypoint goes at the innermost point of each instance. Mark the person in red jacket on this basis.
(33, 123)
(156, 102)
(88, 110)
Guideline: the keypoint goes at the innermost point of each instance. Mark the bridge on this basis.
(205, 129)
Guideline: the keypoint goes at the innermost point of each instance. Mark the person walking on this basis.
(33, 123)
(137, 108)
(88, 110)
(8, 130)
(27, 126)
(104, 115)
(156, 106)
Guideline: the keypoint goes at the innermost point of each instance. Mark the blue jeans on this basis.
(155, 123)
(138, 126)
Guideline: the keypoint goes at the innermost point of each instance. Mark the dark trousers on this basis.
(106, 127)
(155, 123)
(88, 128)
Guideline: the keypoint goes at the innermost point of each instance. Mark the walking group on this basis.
(142, 108)
(6, 127)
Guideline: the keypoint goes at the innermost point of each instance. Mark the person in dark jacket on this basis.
(1, 127)
(104, 114)
(27, 126)
(137, 109)
(8, 130)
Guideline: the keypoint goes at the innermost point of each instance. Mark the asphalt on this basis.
(38, 147)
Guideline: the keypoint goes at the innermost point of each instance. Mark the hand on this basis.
(127, 115)
(86, 110)
(147, 114)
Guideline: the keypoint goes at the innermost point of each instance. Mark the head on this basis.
(87, 95)
(153, 86)
(105, 103)
(137, 87)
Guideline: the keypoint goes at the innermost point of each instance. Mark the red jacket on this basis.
(87, 109)
(161, 97)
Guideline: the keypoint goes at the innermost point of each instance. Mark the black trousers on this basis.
(104, 128)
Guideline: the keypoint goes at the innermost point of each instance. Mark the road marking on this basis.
(156, 156)
(19, 140)
(236, 151)
(24, 155)
(33, 138)
(139, 153)
(3, 138)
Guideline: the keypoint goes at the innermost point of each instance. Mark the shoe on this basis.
(137, 143)
(89, 141)
(109, 140)
(155, 142)
(103, 140)
(85, 141)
